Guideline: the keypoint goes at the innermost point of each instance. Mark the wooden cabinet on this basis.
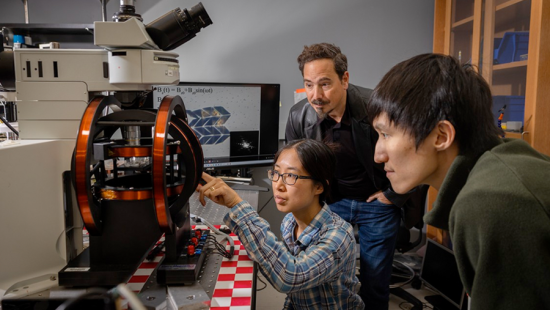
(471, 30)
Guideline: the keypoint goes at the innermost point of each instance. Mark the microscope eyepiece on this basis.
(178, 26)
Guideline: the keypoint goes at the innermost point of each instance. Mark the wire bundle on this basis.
(218, 247)
(198, 220)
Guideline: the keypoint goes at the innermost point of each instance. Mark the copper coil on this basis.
(161, 147)
(125, 194)
(170, 107)
(159, 142)
(140, 151)
(134, 151)
(81, 166)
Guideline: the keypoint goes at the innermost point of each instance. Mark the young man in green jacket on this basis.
(435, 125)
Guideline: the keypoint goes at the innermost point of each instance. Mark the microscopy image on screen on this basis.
(209, 124)
(244, 143)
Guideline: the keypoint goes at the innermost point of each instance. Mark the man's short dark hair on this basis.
(419, 92)
(324, 51)
(319, 162)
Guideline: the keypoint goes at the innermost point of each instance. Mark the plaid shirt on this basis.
(317, 271)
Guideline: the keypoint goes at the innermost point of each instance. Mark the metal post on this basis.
(25, 4)
(104, 9)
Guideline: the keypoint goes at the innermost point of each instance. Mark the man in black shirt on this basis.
(335, 111)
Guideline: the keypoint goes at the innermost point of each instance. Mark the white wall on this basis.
(259, 41)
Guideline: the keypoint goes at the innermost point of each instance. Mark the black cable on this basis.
(9, 125)
(221, 254)
(216, 245)
(219, 247)
(260, 210)
(229, 253)
(265, 284)
(91, 292)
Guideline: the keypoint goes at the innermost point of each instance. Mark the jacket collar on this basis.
(450, 188)
(357, 110)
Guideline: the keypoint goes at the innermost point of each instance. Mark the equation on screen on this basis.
(170, 90)
(162, 91)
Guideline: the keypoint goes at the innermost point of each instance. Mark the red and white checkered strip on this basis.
(233, 290)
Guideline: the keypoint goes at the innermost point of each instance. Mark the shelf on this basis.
(511, 65)
(78, 29)
(466, 24)
(77, 35)
(513, 134)
(510, 3)
(462, 10)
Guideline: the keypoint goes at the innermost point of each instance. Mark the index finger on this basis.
(206, 177)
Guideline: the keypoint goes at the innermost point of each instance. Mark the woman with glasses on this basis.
(315, 264)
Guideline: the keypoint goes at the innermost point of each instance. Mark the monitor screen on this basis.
(440, 272)
(236, 123)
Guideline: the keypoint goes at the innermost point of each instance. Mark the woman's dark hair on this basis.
(324, 51)
(419, 92)
(319, 162)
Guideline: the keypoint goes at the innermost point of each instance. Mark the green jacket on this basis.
(497, 211)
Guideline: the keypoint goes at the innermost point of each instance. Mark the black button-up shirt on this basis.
(350, 180)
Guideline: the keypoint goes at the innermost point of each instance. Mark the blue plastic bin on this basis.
(512, 46)
(515, 108)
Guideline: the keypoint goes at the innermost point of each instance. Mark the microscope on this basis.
(133, 168)
(128, 208)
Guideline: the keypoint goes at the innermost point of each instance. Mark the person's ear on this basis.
(445, 135)
(319, 189)
(345, 80)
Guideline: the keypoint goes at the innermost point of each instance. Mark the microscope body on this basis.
(96, 100)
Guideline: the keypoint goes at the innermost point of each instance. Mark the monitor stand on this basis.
(440, 303)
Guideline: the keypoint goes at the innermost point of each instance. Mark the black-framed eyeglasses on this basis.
(288, 178)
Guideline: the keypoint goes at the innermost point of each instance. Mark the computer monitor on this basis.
(236, 123)
(440, 272)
